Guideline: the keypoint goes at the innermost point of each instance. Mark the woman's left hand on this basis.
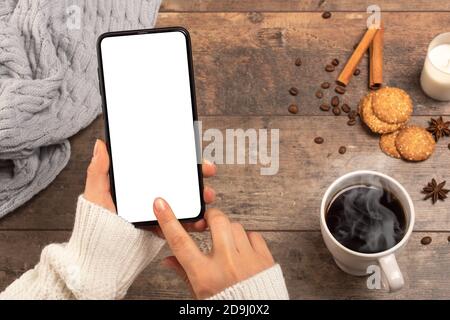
(97, 189)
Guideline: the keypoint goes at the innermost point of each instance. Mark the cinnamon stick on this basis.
(355, 58)
(376, 60)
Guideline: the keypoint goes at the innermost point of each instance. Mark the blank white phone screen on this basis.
(151, 128)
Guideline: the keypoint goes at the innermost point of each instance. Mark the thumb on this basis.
(97, 188)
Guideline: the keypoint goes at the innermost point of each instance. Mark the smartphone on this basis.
(149, 108)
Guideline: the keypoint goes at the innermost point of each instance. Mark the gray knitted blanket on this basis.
(48, 83)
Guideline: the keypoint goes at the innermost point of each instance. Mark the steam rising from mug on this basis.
(366, 219)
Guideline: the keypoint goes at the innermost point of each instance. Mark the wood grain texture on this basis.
(307, 266)
(244, 62)
(303, 5)
(288, 200)
(244, 67)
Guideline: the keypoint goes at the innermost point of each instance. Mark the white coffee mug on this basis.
(356, 263)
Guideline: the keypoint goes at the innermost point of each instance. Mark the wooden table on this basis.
(244, 54)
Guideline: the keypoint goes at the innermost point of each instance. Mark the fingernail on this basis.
(207, 162)
(160, 205)
(96, 148)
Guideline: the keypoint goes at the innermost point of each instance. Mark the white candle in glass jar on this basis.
(435, 78)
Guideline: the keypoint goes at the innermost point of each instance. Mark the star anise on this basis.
(435, 191)
(439, 128)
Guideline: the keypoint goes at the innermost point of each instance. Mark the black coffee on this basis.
(366, 219)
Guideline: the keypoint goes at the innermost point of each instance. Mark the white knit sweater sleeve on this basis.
(101, 260)
(103, 257)
(266, 285)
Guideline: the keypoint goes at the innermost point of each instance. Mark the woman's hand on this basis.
(236, 255)
(98, 190)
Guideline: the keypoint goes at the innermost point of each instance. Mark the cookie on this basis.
(392, 105)
(387, 144)
(369, 118)
(415, 143)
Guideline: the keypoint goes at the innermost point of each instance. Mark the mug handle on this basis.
(392, 272)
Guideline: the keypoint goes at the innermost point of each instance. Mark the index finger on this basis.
(180, 242)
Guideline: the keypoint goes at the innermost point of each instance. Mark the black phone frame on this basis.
(193, 104)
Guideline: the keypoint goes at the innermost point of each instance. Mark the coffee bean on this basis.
(318, 140)
(335, 62)
(325, 85)
(448, 146)
(319, 94)
(298, 62)
(293, 91)
(293, 108)
(326, 15)
(351, 122)
(336, 111)
(324, 107)
(340, 90)
(342, 150)
(329, 68)
(352, 114)
(357, 72)
(345, 108)
(335, 101)
(448, 238)
(425, 241)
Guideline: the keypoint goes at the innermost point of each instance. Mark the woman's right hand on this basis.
(236, 255)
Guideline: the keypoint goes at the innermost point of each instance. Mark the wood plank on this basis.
(244, 63)
(307, 265)
(310, 272)
(288, 200)
(295, 5)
